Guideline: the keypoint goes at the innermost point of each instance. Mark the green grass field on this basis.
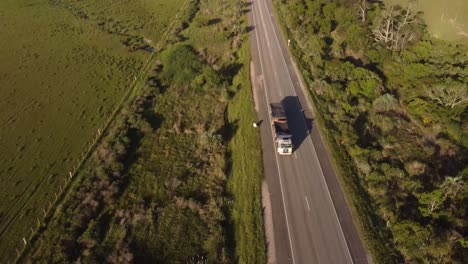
(179, 169)
(445, 19)
(64, 67)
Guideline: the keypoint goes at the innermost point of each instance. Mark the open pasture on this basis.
(64, 67)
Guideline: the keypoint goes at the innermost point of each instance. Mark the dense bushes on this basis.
(395, 111)
(183, 68)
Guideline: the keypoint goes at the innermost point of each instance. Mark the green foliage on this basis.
(411, 236)
(356, 38)
(201, 21)
(183, 68)
(416, 71)
(430, 203)
(180, 235)
(385, 103)
(421, 51)
(453, 187)
(395, 118)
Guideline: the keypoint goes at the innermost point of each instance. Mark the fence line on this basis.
(89, 150)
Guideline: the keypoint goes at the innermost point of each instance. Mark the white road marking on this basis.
(276, 154)
(307, 202)
(271, 53)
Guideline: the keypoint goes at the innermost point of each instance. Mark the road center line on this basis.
(307, 202)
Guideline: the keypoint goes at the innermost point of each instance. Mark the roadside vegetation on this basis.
(392, 102)
(176, 178)
(64, 67)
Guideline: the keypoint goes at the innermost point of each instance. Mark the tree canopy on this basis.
(394, 103)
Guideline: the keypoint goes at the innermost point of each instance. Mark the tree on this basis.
(411, 236)
(313, 47)
(449, 95)
(452, 186)
(431, 202)
(395, 29)
(320, 86)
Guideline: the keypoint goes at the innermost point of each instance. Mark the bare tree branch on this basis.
(392, 31)
(362, 8)
(449, 96)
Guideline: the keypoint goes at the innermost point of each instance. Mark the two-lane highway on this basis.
(306, 225)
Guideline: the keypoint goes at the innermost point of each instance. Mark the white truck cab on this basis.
(283, 137)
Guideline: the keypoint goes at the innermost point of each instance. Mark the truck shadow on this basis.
(300, 122)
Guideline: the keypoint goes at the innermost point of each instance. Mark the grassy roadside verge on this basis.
(245, 180)
(371, 226)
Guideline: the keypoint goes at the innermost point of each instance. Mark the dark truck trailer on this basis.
(283, 137)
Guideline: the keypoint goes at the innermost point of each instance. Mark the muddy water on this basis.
(445, 19)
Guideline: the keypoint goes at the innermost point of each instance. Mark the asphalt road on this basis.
(311, 219)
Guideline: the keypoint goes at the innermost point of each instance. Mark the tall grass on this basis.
(245, 179)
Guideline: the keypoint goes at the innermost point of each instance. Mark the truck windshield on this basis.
(286, 146)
